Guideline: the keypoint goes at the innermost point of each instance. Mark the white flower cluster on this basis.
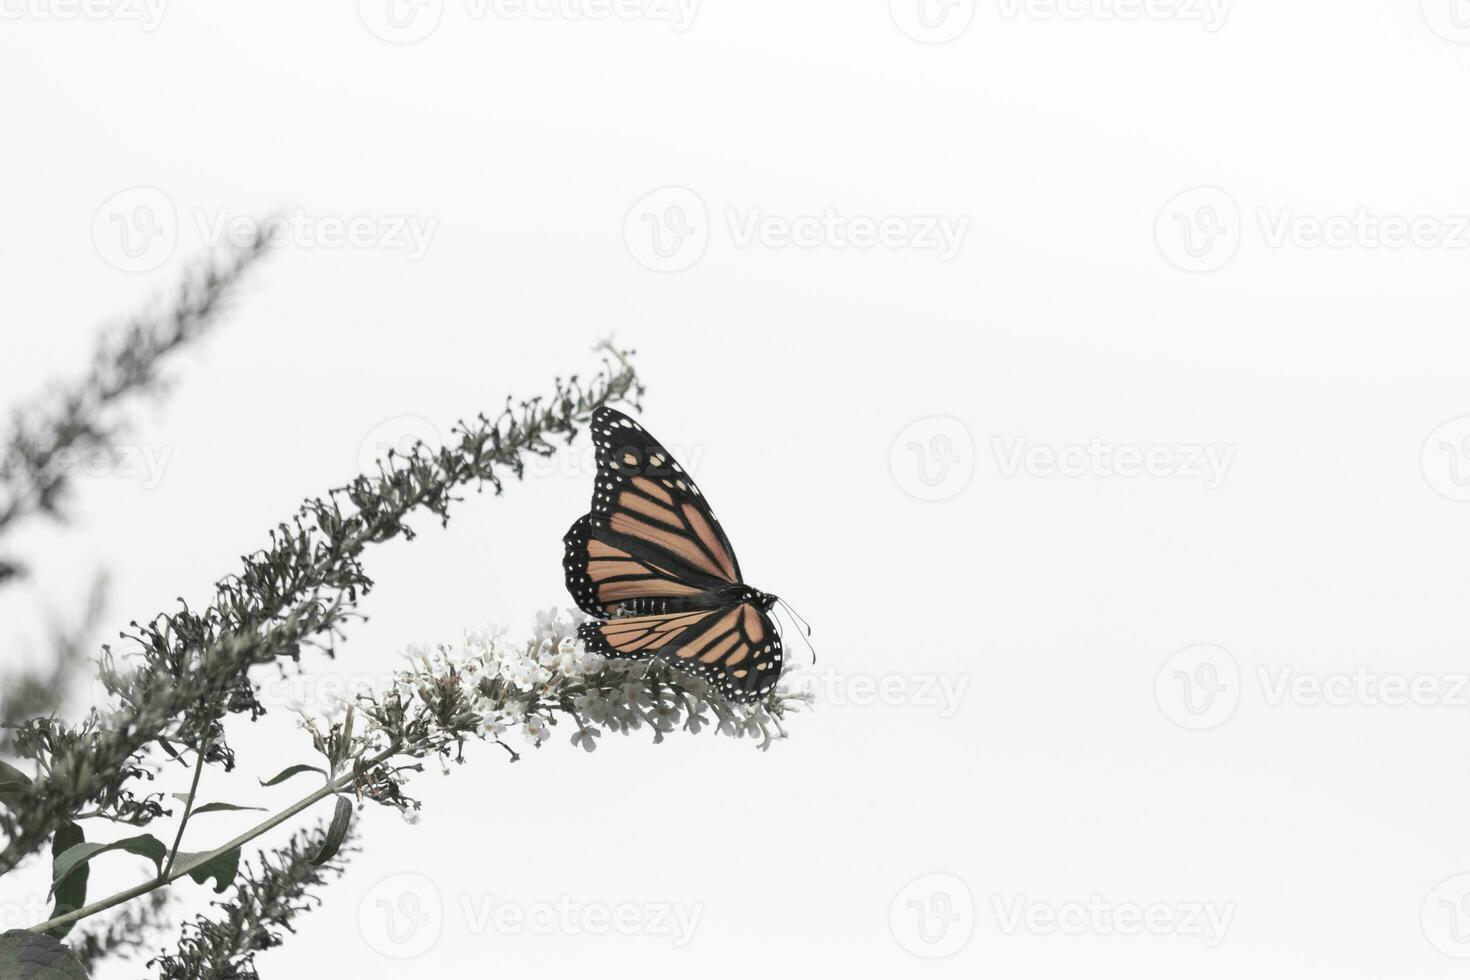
(525, 688)
(494, 688)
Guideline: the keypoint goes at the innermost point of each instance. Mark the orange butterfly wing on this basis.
(652, 559)
(650, 534)
(736, 649)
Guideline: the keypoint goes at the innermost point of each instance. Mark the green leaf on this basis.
(77, 856)
(71, 894)
(26, 955)
(222, 867)
(223, 807)
(336, 831)
(286, 774)
(12, 783)
(214, 807)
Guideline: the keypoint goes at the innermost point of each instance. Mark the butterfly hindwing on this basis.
(735, 648)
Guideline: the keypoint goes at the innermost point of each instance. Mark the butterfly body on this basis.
(723, 599)
(652, 564)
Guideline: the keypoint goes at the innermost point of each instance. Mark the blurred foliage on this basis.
(183, 673)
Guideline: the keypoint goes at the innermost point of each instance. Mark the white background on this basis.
(1095, 294)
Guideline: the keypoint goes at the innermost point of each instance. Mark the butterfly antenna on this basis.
(806, 628)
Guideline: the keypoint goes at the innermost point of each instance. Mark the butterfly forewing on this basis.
(601, 575)
(645, 494)
(735, 648)
(651, 533)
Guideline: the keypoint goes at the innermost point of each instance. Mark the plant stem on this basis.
(173, 852)
(331, 788)
(297, 592)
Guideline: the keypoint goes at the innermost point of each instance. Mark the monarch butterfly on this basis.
(654, 567)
